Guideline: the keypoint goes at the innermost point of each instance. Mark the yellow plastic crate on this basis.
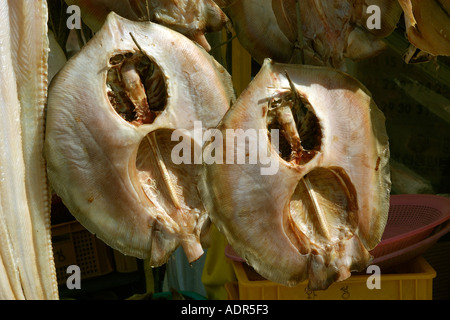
(414, 281)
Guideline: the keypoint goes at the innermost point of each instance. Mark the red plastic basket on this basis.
(399, 257)
(411, 219)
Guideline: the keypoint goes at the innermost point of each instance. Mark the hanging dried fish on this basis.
(326, 206)
(330, 30)
(109, 136)
(325, 28)
(27, 270)
(193, 18)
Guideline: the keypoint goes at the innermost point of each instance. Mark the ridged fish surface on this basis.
(27, 269)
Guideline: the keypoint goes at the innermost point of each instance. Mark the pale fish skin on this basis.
(27, 269)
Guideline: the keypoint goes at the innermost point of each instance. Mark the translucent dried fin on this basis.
(257, 30)
(428, 25)
(363, 45)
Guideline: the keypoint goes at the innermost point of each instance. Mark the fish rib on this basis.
(320, 216)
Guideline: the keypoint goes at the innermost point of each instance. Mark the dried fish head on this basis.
(112, 110)
(326, 206)
(193, 18)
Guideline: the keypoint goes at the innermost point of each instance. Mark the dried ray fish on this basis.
(318, 216)
(109, 136)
